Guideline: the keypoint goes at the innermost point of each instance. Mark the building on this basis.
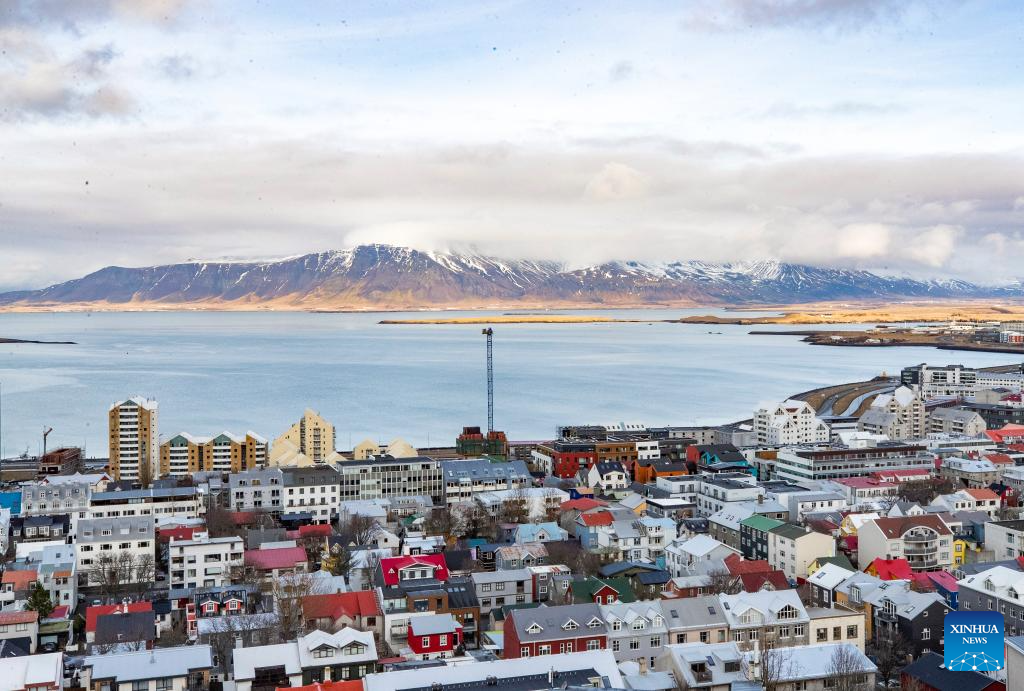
(957, 381)
(179, 668)
(866, 490)
(155, 502)
(434, 636)
(495, 589)
(44, 498)
(316, 490)
(125, 544)
(564, 458)
(793, 548)
(958, 421)
(929, 673)
(43, 672)
(62, 461)
(789, 423)
(637, 631)
(835, 462)
(473, 442)
(607, 477)
(384, 478)
(970, 472)
(754, 531)
(185, 454)
(899, 415)
(261, 489)
(334, 611)
(554, 630)
(464, 479)
(1005, 538)
(204, 561)
(134, 440)
(308, 441)
(276, 559)
(898, 610)
(314, 658)
(682, 557)
(998, 589)
(778, 614)
(20, 628)
(924, 541)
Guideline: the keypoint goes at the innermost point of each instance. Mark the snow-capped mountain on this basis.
(399, 277)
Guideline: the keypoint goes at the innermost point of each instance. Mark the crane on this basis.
(46, 433)
(489, 333)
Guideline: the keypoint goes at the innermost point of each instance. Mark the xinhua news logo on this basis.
(974, 641)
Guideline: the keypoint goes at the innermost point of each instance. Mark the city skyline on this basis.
(877, 135)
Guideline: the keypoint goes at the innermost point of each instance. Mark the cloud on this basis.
(841, 14)
(616, 182)
(790, 111)
(863, 241)
(70, 15)
(934, 247)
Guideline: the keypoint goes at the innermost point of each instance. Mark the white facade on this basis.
(788, 423)
(204, 561)
(125, 543)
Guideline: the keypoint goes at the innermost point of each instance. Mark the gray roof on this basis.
(433, 623)
(137, 527)
(700, 612)
(552, 619)
(150, 664)
(482, 469)
(126, 494)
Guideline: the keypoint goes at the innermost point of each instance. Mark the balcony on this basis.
(919, 538)
(924, 550)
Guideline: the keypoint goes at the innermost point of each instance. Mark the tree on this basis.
(924, 491)
(144, 572)
(287, 593)
(225, 633)
(173, 637)
(571, 554)
(515, 508)
(219, 521)
(338, 561)
(723, 582)
(356, 529)
(39, 600)
(889, 654)
(768, 664)
(847, 669)
(552, 506)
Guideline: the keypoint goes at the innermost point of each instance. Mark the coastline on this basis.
(23, 340)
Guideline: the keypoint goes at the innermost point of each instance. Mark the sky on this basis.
(878, 134)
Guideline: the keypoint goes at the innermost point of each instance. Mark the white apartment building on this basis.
(261, 489)
(124, 543)
(1005, 539)
(924, 541)
(464, 479)
(204, 562)
(718, 491)
(134, 438)
(792, 549)
(789, 423)
(155, 502)
(648, 450)
(899, 415)
(314, 490)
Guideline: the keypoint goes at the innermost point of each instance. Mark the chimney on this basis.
(760, 499)
(551, 677)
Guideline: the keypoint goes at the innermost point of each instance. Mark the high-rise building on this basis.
(134, 449)
(184, 454)
(312, 437)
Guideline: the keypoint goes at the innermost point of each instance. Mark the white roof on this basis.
(601, 661)
(698, 545)
(829, 576)
(337, 641)
(150, 664)
(24, 672)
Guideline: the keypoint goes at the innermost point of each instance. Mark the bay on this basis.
(215, 371)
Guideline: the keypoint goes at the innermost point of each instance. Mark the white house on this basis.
(789, 423)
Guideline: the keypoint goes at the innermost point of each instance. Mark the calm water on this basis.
(214, 371)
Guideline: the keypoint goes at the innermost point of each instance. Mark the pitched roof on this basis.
(391, 566)
(595, 519)
(762, 523)
(753, 582)
(891, 569)
(894, 528)
(551, 620)
(586, 589)
(359, 603)
(275, 557)
(982, 494)
(433, 624)
(738, 565)
(93, 613)
(930, 670)
(582, 504)
(21, 579)
(28, 616)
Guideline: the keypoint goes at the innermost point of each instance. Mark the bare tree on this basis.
(225, 633)
(357, 529)
(173, 637)
(287, 593)
(723, 582)
(552, 506)
(515, 508)
(113, 573)
(144, 572)
(847, 669)
(443, 522)
(571, 554)
(219, 521)
(338, 561)
(889, 654)
(768, 664)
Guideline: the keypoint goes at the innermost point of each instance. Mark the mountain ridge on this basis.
(391, 277)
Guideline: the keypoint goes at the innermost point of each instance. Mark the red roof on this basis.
(982, 494)
(391, 566)
(243, 517)
(1005, 432)
(179, 533)
(752, 582)
(351, 685)
(592, 519)
(999, 459)
(96, 611)
(893, 475)
(891, 569)
(582, 504)
(59, 612)
(851, 542)
(361, 603)
(275, 558)
(312, 530)
(865, 482)
(737, 565)
(28, 616)
(21, 579)
(944, 579)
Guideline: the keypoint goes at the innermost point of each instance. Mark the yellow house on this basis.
(853, 521)
(959, 552)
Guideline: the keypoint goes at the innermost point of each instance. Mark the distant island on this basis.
(22, 340)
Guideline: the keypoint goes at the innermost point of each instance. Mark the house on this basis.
(779, 612)
(970, 472)
(596, 668)
(926, 542)
(316, 657)
(589, 524)
(434, 636)
(890, 569)
(789, 423)
(607, 477)
(1005, 538)
(836, 625)
(126, 543)
(277, 559)
(20, 628)
(698, 619)
(95, 612)
(754, 531)
(822, 584)
(928, 673)
(333, 612)
(540, 532)
(203, 561)
(724, 525)
(636, 631)
(394, 571)
(997, 589)
(867, 490)
(44, 672)
(182, 667)
(602, 591)
(124, 631)
(897, 609)
(456, 597)
(636, 539)
(520, 556)
(792, 549)
(16, 584)
(498, 588)
(682, 555)
(554, 630)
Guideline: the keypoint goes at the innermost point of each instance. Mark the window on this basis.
(444, 639)
(544, 649)
(926, 634)
(681, 638)
(799, 630)
(615, 645)
(593, 645)
(655, 641)
(851, 631)
(425, 641)
(616, 625)
(524, 651)
(140, 685)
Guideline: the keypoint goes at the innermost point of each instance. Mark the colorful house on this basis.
(434, 636)
(890, 569)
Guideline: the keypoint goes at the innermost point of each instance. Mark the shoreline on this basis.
(866, 339)
(23, 340)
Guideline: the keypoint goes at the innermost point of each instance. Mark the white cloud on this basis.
(616, 182)
(934, 247)
(863, 241)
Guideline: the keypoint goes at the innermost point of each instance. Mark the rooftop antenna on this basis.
(489, 333)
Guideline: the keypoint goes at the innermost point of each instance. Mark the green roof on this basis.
(838, 560)
(51, 627)
(762, 523)
(790, 530)
(584, 591)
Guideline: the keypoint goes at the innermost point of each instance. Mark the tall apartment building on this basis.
(185, 454)
(134, 445)
(312, 436)
(788, 423)
(899, 415)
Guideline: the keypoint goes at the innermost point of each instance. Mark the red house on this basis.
(567, 457)
(396, 570)
(434, 636)
(553, 630)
